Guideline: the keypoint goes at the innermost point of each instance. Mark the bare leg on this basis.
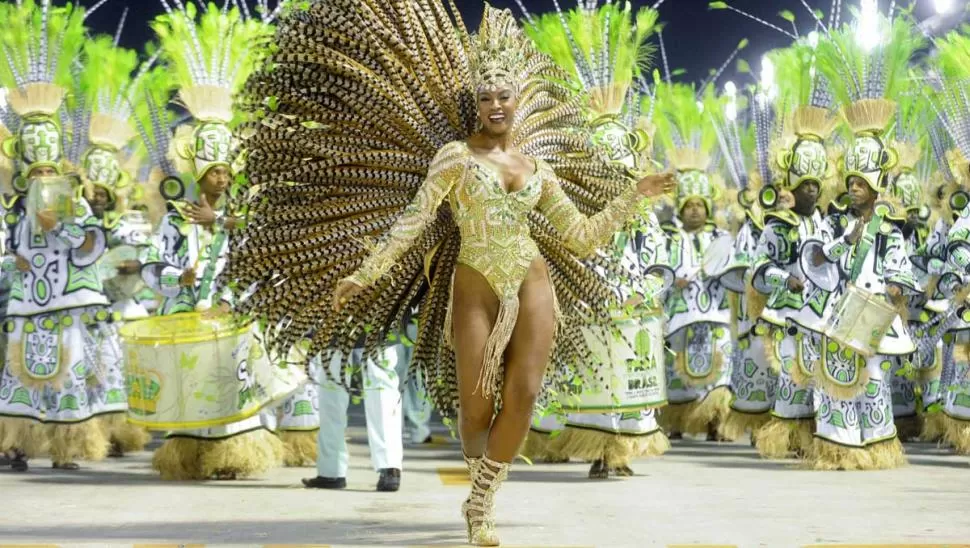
(474, 310)
(526, 359)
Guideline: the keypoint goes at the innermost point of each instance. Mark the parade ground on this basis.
(699, 493)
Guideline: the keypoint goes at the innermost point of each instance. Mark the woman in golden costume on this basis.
(411, 111)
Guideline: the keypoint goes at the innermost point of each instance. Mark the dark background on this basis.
(696, 38)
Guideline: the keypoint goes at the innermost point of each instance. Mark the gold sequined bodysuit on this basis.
(495, 238)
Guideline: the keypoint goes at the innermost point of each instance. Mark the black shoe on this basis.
(599, 470)
(321, 482)
(390, 480)
(19, 464)
(5, 459)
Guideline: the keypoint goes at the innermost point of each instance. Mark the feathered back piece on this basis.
(604, 49)
(40, 43)
(358, 97)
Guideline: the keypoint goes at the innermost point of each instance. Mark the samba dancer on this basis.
(482, 263)
(792, 308)
(624, 132)
(56, 296)
(854, 426)
(753, 381)
(96, 149)
(697, 308)
(190, 246)
(950, 415)
(911, 374)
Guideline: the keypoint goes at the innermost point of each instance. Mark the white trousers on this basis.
(417, 406)
(382, 407)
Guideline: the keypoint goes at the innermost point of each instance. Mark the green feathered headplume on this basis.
(602, 49)
(106, 86)
(683, 129)
(211, 54)
(865, 82)
(953, 53)
(39, 44)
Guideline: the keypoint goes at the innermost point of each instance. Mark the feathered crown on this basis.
(212, 54)
(497, 58)
(688, 139)
(40, 42)
(867, 68)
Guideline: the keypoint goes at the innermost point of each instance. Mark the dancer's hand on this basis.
(795, 285)
(681, 283)
(345, 291)
(894, 292)
(187, 279)
(856, 233)
(655, 185)
(129, 267)
(47, 220)
(201, 213)
(23, 265)
(818, 258)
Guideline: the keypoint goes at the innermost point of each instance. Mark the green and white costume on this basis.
(53, 357)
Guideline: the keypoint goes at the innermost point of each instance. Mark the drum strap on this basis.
(864, 245)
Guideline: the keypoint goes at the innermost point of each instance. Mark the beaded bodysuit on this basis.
(495, 238)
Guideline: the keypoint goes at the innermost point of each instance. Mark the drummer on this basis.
(793, 310)
(698, 310)
(191, 244)
(854, 420)
(44, 404)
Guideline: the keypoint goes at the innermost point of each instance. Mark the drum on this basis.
(119, 287)
(631, 353)
(56, 194)
(187, 371)
(860, 320)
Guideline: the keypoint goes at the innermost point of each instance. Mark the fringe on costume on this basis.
(672, 417)
(827, 455)
(623, 449)
(738, 423)
(86, 440)
(299, 448)
(26, 435)
(245, 455)
(712, 410)
(130, 438)
(542, 447)
(934, 427)
(616, 449)
(781, 438)
(956, 432)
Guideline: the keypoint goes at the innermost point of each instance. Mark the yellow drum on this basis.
(631, 359)
(860, 320)
(188, 371)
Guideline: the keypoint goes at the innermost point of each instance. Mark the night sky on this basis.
(697, 39)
